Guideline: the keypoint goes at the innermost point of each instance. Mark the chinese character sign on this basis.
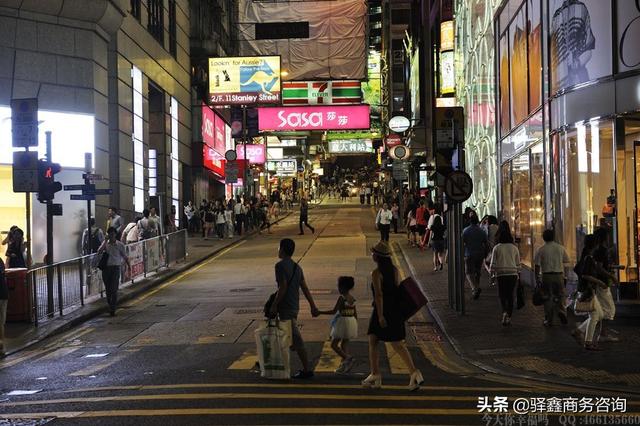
(351, 146)
(314, 118)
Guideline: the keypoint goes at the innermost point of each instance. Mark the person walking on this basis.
(115, 220)
(412, 227)
(228, 218)
(505, 266)
(130, 233)
(422, 220)
(395, 214)
(386, 323)
(437, 230)
(588, 283)
(286, 305)
(361, 193)
(4, 300)
(91, 240)
(239, 213)
(146, 226)
(304, 216)
(475, 249)
(367, 193)
(221, 221)
(189, 212)
(603, 259)
(550, 261)
(344, 326)
(117, 255)
(383, 221)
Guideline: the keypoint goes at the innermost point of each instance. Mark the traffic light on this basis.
(47, 186)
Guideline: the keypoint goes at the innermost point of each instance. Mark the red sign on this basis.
(393, 140)
(212, 160)
(213, 130)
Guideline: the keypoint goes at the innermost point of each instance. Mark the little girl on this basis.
(344, 325)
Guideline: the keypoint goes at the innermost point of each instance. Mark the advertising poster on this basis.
(136, 259)
(314, 118)
(447, 73)
(244, 80)
(155, 256)
(518, 68)
(580, 32)
(504, 85)
(534, 26)
(628, 35)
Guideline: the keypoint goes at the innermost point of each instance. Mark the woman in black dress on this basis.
(386, 323)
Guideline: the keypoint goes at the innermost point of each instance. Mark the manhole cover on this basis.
(242, 290)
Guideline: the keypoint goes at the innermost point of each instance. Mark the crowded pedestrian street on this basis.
(185, 353)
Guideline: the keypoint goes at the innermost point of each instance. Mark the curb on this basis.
(494, 370)
(97, 308)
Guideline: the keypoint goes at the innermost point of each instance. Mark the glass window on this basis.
(586, 182)
(534, 31)
(504, 85)
(518, 68)
(537, 195)
(507, 213)
(521, 209)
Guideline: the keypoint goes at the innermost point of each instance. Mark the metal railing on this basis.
(62, 287)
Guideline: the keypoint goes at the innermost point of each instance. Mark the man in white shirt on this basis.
(239, 212)
(550, 260)
(383, 221)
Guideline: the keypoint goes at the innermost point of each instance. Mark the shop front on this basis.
(569, 126)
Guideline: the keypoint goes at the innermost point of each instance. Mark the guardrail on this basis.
(62, 287)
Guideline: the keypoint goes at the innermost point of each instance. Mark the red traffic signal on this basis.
(47, 186)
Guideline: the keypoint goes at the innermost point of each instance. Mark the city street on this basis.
(184, 353)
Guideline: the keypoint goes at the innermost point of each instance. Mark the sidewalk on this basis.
(19, 336)
(527, 348)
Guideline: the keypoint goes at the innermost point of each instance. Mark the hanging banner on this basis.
(321, 92)
(244, 80)
(314, 118)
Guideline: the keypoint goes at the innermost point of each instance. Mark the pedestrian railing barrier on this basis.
(62, 287)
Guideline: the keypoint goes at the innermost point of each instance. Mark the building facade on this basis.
(112, 78)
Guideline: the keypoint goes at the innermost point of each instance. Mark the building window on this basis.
(138, 144)
(173, 42)
(155, 25)
(136, 8)
(175, 163)
(153, 172)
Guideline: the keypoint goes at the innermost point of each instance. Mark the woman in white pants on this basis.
(590, 284)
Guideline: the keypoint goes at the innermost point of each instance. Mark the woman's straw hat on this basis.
(382, 249)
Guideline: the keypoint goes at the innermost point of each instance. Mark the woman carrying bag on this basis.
(112, 255)
(505, 264)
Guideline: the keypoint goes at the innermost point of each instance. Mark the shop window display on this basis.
(586, 182)
(521, 210)
(537, 195)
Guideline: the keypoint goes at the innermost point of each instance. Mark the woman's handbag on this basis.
(104, 260)
(584, 304)
(410, 298)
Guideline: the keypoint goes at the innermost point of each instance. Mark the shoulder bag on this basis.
(410, 298)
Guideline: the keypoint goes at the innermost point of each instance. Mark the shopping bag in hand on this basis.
(272, 342)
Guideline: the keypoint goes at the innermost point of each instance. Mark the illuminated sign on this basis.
(275, 153)
(255, 153)
(314, 118)
(351, 146)
(283, 167)
(446, 36)
(214, 130)
(447, 73)
(212, 160)
(321, 92)
(244, 80)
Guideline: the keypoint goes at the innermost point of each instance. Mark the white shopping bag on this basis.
(272, 342)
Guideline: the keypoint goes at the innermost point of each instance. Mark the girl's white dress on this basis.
(345, 324)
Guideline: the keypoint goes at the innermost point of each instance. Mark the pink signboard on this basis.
(213, 130)
(212, 160)
(314, 118)
(256, 154)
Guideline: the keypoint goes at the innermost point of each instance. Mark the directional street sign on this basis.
(92, 176)
(458, 186)
(79, 187)
(80, 197)
(97, 191)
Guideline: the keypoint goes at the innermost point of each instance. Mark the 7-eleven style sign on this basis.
(339, 92)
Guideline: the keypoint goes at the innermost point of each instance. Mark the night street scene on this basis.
(319, 212)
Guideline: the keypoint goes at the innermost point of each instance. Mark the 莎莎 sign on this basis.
(314, 118)
(256, 153)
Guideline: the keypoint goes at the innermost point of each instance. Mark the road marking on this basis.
(25, 356)
(328, 361)
(184, 274)
(144, 341)
(203, 340)
(252, 411)
(71, 336)
(59, 353)
(292, 386)
(246, 361)
(231, 395)
(396, 365)
(93, 369)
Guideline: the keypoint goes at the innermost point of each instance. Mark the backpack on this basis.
(147, 231)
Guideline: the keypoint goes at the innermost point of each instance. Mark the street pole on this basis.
(245, 135)
(49, 255)
(88, 163)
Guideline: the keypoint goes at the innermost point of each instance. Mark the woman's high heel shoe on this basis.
(373, 381)
(415, 380)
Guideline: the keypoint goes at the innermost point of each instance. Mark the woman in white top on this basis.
(505, 264)
(116, 257)
(412, 226)
(383, 221)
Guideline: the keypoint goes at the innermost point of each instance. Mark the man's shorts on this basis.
(296, 337)
(422, 229)
(473, 264)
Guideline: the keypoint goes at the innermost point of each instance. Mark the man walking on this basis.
(239, 213)
(92, 238)
(146, 226)
(475, 249)
(304, 216)
(550, 260)
(115, 220)
(290, 280)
